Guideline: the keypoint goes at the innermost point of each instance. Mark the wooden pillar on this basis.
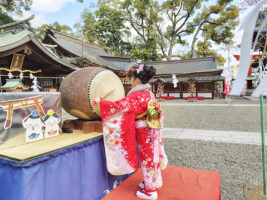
(212, 89)
(41, 81)
(196, 89)
(181, 90)
(54, 83)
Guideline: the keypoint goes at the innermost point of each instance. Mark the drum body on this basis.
(80, 88)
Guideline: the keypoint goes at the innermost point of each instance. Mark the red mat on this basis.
(179, 183)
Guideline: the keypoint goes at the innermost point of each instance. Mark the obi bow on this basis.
(154, 115)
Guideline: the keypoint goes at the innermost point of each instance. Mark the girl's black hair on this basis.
(144, 75)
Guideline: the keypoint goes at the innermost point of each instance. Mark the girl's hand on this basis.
(97, 100)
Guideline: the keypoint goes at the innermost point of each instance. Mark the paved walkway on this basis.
(213, 135)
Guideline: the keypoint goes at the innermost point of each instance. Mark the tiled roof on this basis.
(186, 78)
(17, 33)
(185, 66)
(122, 63)
(91, 52)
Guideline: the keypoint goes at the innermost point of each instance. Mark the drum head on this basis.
(107, 85)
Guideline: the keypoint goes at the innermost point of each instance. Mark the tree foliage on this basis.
(204, 49)
(106, 27)
(175, 23)
(142, 16)
(5, 19)
(215, 24)
(17, 6)
(150, 30)
(41, 30)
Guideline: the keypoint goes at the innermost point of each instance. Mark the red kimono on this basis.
(137, 117)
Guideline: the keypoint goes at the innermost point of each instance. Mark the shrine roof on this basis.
(186, 78)
(80, 49)
(16, 34)
(93, 53)
(122, 63)
(194, 65)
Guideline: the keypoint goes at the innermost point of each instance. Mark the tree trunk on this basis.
(172, 43)
(193, 55)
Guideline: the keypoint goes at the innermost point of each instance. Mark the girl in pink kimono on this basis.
(137, 117)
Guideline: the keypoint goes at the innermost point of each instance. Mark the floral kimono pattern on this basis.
(137, 117)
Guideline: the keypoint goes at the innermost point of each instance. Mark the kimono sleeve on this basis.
(118, 120)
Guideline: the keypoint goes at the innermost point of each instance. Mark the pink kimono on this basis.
(137, 117)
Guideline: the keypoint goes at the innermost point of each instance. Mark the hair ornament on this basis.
(141, 68)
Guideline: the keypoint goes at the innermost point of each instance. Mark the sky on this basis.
(68, 12)
(64, 11)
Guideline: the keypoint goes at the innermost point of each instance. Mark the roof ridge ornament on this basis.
(17, 26)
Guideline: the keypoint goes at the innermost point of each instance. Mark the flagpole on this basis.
(263, 146)
(262, 127)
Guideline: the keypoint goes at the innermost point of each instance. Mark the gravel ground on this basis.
(245, 119)
(238, 164)
(235, 100)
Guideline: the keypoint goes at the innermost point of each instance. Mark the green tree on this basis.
(106, 27)
(111, 30)
(204, 49)
(17, 6)
(142, 15)
(5, 19)
(87, 26)
(215, 23)
(169, 23)
(151, 31)
(41, 30)
(178, 19)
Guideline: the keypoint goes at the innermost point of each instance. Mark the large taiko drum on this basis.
(80, 88)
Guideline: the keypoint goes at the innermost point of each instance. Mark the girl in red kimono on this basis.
(137, 117)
